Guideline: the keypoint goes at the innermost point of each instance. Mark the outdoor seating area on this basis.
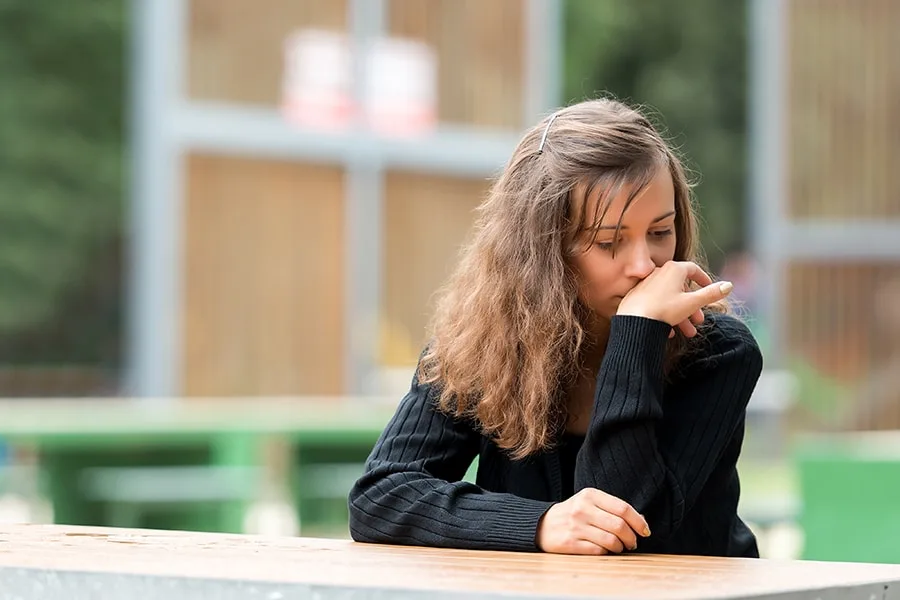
(232, 233)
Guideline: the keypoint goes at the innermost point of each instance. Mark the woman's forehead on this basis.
(607, 203)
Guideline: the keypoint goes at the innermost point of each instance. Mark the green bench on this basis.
(195, 465)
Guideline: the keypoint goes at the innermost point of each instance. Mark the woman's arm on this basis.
(411, 491)
(628, 452)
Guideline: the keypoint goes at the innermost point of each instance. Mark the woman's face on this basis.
(646, 240)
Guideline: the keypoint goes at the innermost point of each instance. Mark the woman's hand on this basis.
(590, 522)
(663, 296)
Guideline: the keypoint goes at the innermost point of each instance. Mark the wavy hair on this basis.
(509, 330)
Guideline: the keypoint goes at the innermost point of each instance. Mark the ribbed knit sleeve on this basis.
(656, 460)
(411, 491)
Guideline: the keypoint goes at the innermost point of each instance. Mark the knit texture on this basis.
(667, 447)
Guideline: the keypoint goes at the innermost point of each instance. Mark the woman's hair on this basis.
(509, 329)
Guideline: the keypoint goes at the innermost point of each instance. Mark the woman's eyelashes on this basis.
(656, 236)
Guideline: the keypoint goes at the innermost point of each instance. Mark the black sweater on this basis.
(668, 446)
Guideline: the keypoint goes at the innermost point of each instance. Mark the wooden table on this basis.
(54, 562)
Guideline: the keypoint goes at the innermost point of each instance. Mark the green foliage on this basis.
(686, 62)
(62, 68)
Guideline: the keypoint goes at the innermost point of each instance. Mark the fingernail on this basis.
(726, 287)
(646, 532)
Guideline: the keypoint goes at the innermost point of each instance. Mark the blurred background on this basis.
(222, 224)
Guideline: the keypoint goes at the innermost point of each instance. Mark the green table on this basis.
(73, 437)
(850, 489)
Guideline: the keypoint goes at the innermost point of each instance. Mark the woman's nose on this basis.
(640, 264)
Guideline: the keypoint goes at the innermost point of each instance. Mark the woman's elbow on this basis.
(359, 524)
(366, 528)
(360, 518)
(359, 534)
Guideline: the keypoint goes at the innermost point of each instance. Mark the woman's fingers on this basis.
(587, 547)
(692, 303)
(616, 526)
(687, 328)
(603, 539)
(696, 274)
(709, 294)
(621, 509)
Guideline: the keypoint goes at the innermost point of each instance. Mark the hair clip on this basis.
(546, 131)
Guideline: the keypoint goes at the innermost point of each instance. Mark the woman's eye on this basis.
(660, 234)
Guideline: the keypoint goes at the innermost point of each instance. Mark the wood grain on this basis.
(264, 278)
(427, 221)
(332, 564)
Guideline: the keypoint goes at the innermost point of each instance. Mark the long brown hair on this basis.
(509, 330)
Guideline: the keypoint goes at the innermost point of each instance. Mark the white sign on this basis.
(401, 87)
(399, 91)
(317, 80)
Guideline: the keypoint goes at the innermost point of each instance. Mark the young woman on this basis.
(583, 356)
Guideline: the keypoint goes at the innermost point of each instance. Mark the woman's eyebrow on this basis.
(656, 220)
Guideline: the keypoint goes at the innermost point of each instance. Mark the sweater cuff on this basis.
(514, 526)
(637, 344)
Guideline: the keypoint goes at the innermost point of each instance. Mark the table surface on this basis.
(79, 421)
(55, 561)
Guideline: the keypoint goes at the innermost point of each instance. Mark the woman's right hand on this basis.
(664, 296)
(591, 522)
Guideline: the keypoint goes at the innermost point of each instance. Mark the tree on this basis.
(686, 61)
(62, 67)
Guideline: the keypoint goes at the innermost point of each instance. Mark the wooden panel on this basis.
(426, 221)
(235, 50)
(844, 95)
(480, 48)
(264, 278)
(844, 326)
(68, 562)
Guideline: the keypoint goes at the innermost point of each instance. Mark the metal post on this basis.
(543, 58)
(363, 223)
(768, 96)
(154, 294)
